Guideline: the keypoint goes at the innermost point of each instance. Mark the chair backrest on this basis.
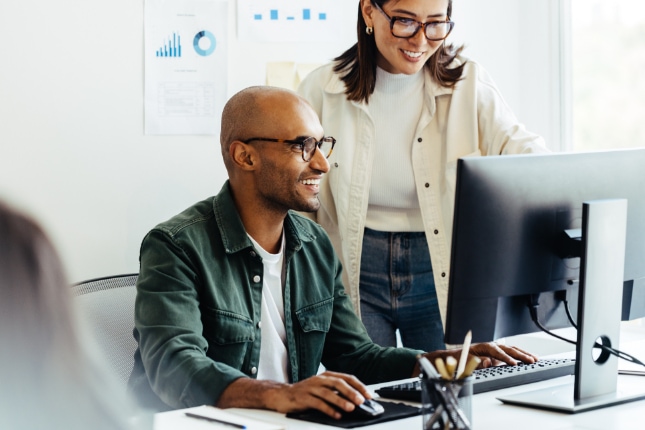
(107, 307)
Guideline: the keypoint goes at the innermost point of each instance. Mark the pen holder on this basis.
(447, 404)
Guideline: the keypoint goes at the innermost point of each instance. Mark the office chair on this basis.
(107, 307)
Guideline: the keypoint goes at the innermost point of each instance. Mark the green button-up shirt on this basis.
(197, 314)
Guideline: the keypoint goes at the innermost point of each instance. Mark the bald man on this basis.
(240, 299)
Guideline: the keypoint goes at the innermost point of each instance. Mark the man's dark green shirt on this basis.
(197, 314)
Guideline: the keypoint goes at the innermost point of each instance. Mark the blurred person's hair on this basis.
(48, 376)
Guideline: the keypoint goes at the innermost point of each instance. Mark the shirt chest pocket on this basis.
(224, 328)
(316, 317)
(230, 337)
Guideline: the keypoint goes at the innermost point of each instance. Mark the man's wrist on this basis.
(250, 393)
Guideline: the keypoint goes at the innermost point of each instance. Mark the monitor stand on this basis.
(602, 265)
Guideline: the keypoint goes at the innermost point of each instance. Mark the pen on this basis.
(215, 420)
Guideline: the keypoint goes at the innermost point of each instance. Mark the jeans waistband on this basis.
(410, 235)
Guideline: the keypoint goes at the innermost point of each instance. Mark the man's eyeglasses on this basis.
(307, 145)
(405, 28)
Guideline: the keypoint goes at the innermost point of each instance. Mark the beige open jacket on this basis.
(471, 119)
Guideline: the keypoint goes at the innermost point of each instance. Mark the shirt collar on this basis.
(233, 233)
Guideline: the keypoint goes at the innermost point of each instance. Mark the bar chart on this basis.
(290, 20)
(171, 47)
(275, 15)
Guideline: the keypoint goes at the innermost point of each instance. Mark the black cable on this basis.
(533, 305)
(533, 311)
(566, 308)
(620, 354)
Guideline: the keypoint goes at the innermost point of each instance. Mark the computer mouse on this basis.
(368, 409)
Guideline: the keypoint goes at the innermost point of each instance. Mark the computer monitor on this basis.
(513, 246)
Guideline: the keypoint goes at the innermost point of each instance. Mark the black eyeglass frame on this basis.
(420, 25)
(300, 142)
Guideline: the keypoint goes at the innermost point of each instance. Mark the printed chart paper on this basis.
(290, 20)
(185, 66)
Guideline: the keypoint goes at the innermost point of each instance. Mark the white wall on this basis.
(72, 148)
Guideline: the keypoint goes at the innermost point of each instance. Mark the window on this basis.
(607, 68)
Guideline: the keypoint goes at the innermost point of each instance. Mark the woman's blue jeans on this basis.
(398, 292)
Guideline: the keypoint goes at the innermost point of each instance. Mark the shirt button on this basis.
(259, 324)
(419, 139)
(335, 164)
(254, 370)
(443, 274)
(427, 185)
(256, 279)
(436, 231)
(252, 253)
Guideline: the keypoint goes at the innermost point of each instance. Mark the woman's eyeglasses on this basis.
(407, 27)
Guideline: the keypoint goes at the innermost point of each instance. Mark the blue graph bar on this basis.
(274, 15)
(172, 48)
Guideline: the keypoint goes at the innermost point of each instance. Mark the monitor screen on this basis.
(509, 246)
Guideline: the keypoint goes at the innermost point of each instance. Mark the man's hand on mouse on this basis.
(329, 392)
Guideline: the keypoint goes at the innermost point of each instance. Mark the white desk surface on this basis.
(488, 412)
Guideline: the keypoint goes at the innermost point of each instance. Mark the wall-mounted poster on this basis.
(185, 66)
(290, 20)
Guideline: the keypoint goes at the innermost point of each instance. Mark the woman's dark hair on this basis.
(358, 64)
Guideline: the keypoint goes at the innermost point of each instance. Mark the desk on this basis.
(488, 412)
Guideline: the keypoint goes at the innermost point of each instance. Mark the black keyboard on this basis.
(492, 378)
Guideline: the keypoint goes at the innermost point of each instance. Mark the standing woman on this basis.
(404, 105)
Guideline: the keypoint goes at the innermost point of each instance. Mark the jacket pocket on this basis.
(451, 166)
(316, 317)
(315, 321)
(451, 174)
(224, 327)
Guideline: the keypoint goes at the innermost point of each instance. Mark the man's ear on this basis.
(242, 155)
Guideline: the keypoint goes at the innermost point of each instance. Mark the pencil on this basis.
(451, 365)
(464, 354)
(441, 368)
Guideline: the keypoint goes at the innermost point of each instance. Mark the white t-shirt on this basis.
(274, 358)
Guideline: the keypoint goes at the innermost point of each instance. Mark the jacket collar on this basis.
(233, 233)
(432, 89)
